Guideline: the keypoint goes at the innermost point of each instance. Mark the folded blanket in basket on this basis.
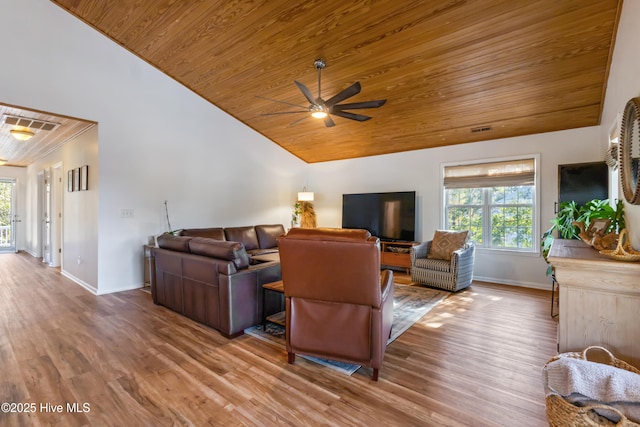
(583, 383)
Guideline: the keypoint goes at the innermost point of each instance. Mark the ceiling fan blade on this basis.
(352, 116)
(284, 112)
(358, 105)
(305, 91)
(299, 120)
(281, 102)
(328, 122)
(354, 89)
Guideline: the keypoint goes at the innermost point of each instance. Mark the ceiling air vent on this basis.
(481, 129)
(26, 122)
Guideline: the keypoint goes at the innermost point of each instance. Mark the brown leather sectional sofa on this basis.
(209, 276)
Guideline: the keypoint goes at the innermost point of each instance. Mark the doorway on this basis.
(50, 212)
(50, 185)
(56, 215)
(46, 218)
(7, 215)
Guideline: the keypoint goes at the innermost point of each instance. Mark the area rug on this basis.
(410, 303)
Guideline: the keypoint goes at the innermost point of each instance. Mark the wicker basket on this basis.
(624, 251)
(561, 413)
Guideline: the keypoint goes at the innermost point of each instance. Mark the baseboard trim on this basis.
(533, 285)
(128, 288)
(30, 252)
(80, 282)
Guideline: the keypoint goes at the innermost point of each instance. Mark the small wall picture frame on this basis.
(76, 179)
(84, 177)
(70, 180)
(598, 225)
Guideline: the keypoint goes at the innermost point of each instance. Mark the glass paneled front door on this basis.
(7, 215)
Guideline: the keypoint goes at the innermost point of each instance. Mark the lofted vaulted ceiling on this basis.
(452, 71)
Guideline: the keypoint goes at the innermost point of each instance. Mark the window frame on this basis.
(535, 250)
(614, 176)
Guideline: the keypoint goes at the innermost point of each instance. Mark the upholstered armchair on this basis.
(445, 262)
(339, 305)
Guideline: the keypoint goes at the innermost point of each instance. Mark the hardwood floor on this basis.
(475, 360)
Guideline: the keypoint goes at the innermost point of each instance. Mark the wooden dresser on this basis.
(599, 300)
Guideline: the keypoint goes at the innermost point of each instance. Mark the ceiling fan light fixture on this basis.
(318, 111)
(21, 135)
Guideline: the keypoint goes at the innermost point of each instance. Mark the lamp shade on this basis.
(21, 135)
(305, 196)
(3, 162)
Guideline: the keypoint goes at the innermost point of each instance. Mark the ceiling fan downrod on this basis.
(319, 64)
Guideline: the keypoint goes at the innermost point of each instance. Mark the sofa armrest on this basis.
(421, 250)
(462, 260)
(382, 320)
(386, 284)
(464, 254)
(240, 296)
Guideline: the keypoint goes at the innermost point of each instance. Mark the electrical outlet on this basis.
(126, 213)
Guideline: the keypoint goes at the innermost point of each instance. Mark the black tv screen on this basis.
(389, 216)
(583, 182)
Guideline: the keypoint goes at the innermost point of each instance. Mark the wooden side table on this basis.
(277, 318)
(149, 266)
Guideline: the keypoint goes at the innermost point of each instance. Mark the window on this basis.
(495, 201)
(611, 158)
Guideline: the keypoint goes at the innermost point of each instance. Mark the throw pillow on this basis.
(445, 242)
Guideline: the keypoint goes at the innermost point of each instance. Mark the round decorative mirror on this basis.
(630, 152)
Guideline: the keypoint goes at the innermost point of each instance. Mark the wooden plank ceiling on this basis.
(514, 67)
(43, 142)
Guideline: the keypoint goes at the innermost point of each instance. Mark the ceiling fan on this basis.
(321, 109)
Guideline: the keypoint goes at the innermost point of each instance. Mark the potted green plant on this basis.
(295, 215)
(602, 209)
(571, 212)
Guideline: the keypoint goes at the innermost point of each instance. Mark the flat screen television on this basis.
(389, 216)
(582, 182)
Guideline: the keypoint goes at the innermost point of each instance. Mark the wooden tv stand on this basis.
(396, 254)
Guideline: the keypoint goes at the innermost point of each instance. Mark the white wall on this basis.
(624, 84)
(20, 175)
(420, 171)
(157, 140)
(79, 209)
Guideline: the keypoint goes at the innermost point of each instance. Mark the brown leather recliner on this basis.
(339, 305)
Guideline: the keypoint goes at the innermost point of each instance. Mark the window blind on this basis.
(494, 174)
